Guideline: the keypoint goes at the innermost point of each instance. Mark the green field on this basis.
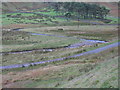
(25, 18)
(48, 18)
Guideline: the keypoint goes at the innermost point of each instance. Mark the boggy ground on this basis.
(19, 38)
(63, 73)
(22, 41)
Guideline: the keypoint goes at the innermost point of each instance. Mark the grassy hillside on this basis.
(105, 75)
(94, 71)
(113, 6)
(16, 6)
(41, 14)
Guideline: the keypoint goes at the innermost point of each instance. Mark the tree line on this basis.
(81, 9)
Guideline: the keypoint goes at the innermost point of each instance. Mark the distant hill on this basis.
(113, 6)
(15, 6)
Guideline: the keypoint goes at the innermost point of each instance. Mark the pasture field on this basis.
(48, 18)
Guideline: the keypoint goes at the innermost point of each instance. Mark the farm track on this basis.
(60, 59)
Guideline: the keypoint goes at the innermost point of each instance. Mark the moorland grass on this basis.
(71, 72)
(19, 41)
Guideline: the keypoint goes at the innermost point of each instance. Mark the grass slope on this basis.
(104, 75)
(94, 71)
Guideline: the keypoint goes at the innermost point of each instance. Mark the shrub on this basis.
(60, 29)
(8, 15)
(96, 82)
(36, 79)
(106, 20)
(70, 78)
(57, 84)
(18, 14)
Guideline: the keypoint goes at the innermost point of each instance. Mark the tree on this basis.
(68, 15)
(81, 9)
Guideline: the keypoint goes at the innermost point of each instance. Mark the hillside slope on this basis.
(105, 75)
(14, 6)
(113, 6)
